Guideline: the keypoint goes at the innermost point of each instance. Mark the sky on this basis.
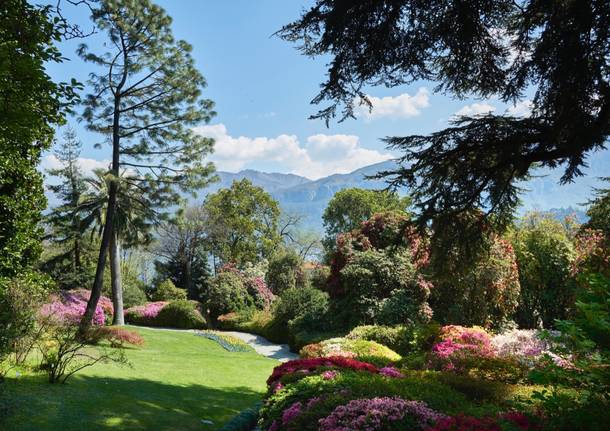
(262, 88)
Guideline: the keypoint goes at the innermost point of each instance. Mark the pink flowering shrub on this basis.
(308, 365)
(459, 347)
(144, 314)
(528, 347)
(391, 372)
(70, 307)
(380, 414)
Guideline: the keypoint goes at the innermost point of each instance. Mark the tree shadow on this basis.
(100, 403)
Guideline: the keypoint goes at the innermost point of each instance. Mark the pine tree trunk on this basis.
(115, 280)
(188, 277)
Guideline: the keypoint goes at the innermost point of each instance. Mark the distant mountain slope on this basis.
(271, 182)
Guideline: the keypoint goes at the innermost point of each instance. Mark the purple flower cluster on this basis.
(147, 311)
(390, 371)
(378, 413)
(70, 309)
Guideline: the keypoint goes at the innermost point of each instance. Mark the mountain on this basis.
(309, 198)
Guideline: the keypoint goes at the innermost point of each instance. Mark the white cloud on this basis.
(475, 109)
(86, 165)
(521, 109)
(401, 106)
(320, 156)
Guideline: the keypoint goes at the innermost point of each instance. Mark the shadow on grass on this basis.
(99, 403)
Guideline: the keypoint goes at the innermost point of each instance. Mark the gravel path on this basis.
(264, 347)
(261, 345)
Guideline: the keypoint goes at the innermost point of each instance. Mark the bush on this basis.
(243, 421)
(484, 292)
(227, 293)
(144, 314)
(363, 350)
(308, 304)
(545, 253)
(71, 305)
(64, 352)
(20, 301)
(285, 271)
(181, 314)
(167, 291)
(115, 335)
(405, 339)
(318, 276)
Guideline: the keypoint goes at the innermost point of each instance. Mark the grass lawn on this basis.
(177, 381)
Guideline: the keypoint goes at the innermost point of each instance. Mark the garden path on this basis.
(262, 346)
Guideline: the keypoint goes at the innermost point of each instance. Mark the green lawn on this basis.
(177, 381)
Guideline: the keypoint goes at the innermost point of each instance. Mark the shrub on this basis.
(115, 335)
(243, 421)
(544, 253)
(381, 414)
(64, 352)
(226, 293)
(318, 276)
(133, 295)
(20, 301)
(363, 350)
(262, 297)
(308, 304)
(382, 287)
(510, 422)
(181, 314)
(144, 314)
(167, 291)
(285, 271)
(404, 339)
(72, 305)
(483, 292)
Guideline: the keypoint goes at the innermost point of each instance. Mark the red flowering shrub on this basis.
(507, 421)
(592, 253)
(116, 336)
(312, 364)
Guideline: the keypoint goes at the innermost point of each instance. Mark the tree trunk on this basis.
(115, 280)
(188, 277)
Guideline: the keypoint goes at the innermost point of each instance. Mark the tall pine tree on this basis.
(65, 220)
(146, 98)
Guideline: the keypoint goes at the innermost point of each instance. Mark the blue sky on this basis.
(262, 87)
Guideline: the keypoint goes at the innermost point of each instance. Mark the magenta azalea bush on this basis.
(459, 346)
(144, 314)
(70, 306)
(383, 413)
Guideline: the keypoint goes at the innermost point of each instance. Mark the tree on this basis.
(285, 271)
(30, 105)
(545, 253)
(65, 220)
(146, 96)
(242, 223)
(599, 210)
(350, 207)
(132, 224)
(492, 48)
(182, 253)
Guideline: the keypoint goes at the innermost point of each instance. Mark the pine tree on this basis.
(65, 220)
(146, 98)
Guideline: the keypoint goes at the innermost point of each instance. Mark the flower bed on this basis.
(367, 351)
(228, 342)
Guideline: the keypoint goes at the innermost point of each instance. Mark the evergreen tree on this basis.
(558, 51)
(30, 104)
(65, 220)
(146, 98)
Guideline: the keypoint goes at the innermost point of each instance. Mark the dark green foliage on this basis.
(181, 314)
(599, 211)
(285, 271)
(382, 288)
(31, 104)
(305, 308)
(167, 291)
(244, 420)
(242, 223)
(70, 267)
(559, 51)
(133, 292)
(479, 286)
(545, 253)
(586, 341)
(405, 339)
(20, 301)
(226, 293)
(350, 207)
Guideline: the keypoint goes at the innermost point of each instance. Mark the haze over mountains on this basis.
(300, 195)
